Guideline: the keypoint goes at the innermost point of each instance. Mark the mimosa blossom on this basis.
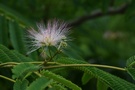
(52, 35)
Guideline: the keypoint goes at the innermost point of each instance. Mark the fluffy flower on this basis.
(52, 35)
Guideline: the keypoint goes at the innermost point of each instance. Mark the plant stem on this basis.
(57, 65)
(11, 64)
(57, 52)
(50, 52)
(9, 79)
(38, 74)
(80, 65)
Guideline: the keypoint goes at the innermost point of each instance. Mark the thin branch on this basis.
(80, 65)
(9, 79)
(57, 65)
(11, 64)
(57, 52)
(16, 63)
(98, 13)
(38, 74)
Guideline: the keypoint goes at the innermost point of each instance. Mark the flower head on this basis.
(53, 34)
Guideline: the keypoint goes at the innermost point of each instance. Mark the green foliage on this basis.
(22, 57)
(21, 85)
(7, 55)
(4, 31)
(61, 80)
(23, 70)
(11, 56)
(101, 85)
(13, 16)
(13, 24)
(16, 36)
(86, 77)
(39, 84)
(130, 66)
(131, 72)
(59, 87)
(130, 61)
(112, 81)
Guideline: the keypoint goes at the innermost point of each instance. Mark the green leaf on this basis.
(14, 16)
(101, 85)
(16, 36)
(61, 80)
(39, 84)
(7, 55)
(130, 69)
(4, 39)
(59, 87)
(86, 77)
(130, 61)
(112, 81)
(22, 57)
(4, 57)
(34, 55)
(23, 70)
(131, 72)
(20, 85)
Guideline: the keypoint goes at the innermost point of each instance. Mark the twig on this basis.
(98, 13)
(80, 65)
(9, 79)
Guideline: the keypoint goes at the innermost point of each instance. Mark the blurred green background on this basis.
(103, 31)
